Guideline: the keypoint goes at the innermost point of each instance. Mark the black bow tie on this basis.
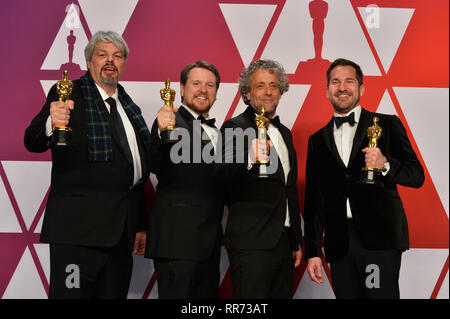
(209, 122)
(275, 121)
(339, 120)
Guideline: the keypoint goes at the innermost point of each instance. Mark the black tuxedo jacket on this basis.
(377, 212)
(257, 206)
(89, 204)
(186, 217)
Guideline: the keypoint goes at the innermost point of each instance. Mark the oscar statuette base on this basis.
(262, 169)
(170, 135)
(371, 176)
(61, 137)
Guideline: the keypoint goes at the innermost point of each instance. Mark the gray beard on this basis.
(109, 81)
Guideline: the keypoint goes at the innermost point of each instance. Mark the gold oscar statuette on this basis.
(262, 125)
(168, 96)
(62, 133)
(372, 175)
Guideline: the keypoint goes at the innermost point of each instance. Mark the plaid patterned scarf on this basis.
(97, 120)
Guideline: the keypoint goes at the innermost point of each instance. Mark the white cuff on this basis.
(250, 165)
(48, 127)
(386, 169)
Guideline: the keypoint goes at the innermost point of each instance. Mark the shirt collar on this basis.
(194, 113)
(104, 95)
(356, 110)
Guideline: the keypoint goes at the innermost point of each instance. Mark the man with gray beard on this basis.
(95, 214)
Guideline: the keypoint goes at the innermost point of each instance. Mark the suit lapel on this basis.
(329, 140)
(188, 122)
(184, 119)
(292, 176)
(250, 116)
(142, 150)
(280, 170)
(360, 134)
(285, 134)
(101, 104)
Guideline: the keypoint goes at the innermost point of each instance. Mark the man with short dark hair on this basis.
(365, 224)
(95, 214)
(185, 228)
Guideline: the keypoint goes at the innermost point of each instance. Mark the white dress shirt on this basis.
(343, 137)
(129, 131)
(212, 132)
(131, 137)
(283, 154)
